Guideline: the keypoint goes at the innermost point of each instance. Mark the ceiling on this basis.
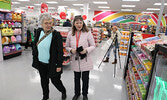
(115, 5)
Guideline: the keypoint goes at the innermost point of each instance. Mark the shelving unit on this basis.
(64, 32)
(10, 30)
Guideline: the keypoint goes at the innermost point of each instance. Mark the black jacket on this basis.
(56, 53)
(67, 24)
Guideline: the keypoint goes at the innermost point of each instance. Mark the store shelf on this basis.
(145, 86)
(141, 62)
(7, 54)
(11, 43)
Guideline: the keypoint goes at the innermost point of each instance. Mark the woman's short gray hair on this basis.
(44, 16)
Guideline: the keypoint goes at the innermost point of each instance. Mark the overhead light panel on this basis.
(52, 2)
(153, 9)
(159, 4)
(63, 6)
(103, 7)
(22, 8)
(147, 12)
(51, 8)
(131, 0)
(15, 2)
(70, 0)
(37, 4)
(100, 2)
(83, 8)
(24, 0)
(126, 10)
(131, 6)
(77, 4)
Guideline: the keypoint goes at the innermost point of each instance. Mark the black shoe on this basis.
(75, 97)
(64, 96)
(85, 97)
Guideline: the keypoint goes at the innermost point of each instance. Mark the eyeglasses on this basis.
(48, 23)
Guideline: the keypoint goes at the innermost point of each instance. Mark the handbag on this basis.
(47, 33)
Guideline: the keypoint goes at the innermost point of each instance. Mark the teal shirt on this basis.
(44, 48)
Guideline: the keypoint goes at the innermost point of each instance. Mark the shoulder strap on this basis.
(45, 36)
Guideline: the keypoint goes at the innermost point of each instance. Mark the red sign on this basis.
(44, 8)
(30, 8)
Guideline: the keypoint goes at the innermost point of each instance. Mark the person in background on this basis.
(80, 43)
(113, 35)
(48, 56)
(67, 23)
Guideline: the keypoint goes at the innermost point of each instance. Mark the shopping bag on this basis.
(107, 44)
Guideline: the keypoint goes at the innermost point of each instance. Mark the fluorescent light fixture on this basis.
(37, 4)
(52, 2)
(159, 4)
(51, 8)
(77, 4)
(130, 0)
(103, 7)
(83, 8)
(70, 0)
(63, 6)
(15, 2)
(129, 6)
(72, 9)
(153, 9)
(147, 12)
(126, 10)
(23, 0)
(22, 8)
(100, 2)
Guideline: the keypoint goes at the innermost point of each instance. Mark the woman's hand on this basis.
(73, 51)
(58, 69)
(84, 51)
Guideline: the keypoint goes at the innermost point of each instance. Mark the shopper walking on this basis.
(48, 56)
(113, 35)
(80, 43)
(67, 23)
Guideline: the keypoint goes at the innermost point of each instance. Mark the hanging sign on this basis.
(44, 8)
(30, 8)
(5, 4)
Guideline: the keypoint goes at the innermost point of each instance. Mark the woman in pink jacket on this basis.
(80, 43)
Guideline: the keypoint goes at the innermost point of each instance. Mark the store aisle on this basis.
(19, 81)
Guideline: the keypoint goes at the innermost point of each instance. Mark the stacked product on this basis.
(95, 32)
(10, 25)
(124, 42)
(64, 32)
(125, 27)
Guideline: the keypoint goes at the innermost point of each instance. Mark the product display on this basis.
(95, 32)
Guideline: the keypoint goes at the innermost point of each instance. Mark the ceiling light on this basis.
(130, 0)
(51, 2)
(83, 8)
(153, 9)
(147, 12)
(77, 4)
(63, 6)
(23, 0)
(129, 6)
(71, 9)
(22, 8)
(37, 4)
(99, 2)
(103, 7)
(159, 4)
(126, 10)
(51, 8)
(70, 0)
(15, 2)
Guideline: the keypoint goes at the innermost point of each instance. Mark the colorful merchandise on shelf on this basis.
(8, 16)
(18, 38)
(13, 39)
(95, 32)
(2, 25)
(14, 16)
(17, 31)
(18, 17)
(12, 48)
(18, 47)
(7, 32)
(6, 40)
(6, 49)
(2, 16)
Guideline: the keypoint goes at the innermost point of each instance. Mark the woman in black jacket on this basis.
(48, 56)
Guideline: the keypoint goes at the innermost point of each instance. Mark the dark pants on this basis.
(43, 71)
(85, 81)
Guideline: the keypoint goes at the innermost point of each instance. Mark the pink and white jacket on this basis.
(87, 41)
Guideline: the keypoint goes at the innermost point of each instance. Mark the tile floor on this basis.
(19, 81)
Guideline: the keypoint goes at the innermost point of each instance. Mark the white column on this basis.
(160, 16)
(85, 11)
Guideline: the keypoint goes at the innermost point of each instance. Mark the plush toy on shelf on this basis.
(2, 16)
(6, 49)
(8, 16)
(19, 17)
(6, 40)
